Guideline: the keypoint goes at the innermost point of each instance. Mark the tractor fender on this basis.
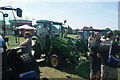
(35, 38)
(38, 40)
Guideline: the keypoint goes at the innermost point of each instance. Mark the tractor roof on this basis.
(20, 20)
(45, 21)
(95, 30)
(42, 21)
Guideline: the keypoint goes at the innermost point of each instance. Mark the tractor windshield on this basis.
(56, 29)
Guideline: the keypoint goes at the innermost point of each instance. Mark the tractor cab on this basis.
(90, 32)
(46, 30)
(50, 28)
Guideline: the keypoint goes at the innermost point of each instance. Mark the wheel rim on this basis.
(54, 61)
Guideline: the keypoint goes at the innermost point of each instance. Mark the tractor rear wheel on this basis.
(22, 62)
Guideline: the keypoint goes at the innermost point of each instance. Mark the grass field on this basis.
(66, 72)
(14, 41)
(73, 36)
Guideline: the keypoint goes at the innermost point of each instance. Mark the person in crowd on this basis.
(27, 43)
(102, 38)
(2, 54)
(108, 72)
(90, 39)
(117, 38)
(95, 63)
(3, 46)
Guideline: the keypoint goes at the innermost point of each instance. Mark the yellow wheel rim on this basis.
(54, 62)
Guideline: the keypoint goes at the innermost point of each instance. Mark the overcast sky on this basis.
(95, 13)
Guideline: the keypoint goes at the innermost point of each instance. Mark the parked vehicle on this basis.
(52, 42)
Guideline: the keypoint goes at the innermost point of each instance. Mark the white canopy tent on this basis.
(27, 27)
(22, 29)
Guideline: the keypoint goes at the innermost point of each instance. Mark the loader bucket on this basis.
(83, 69)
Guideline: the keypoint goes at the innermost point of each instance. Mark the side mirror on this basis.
(5, 15)
(19, 12)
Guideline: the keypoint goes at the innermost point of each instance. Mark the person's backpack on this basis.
(113, 60)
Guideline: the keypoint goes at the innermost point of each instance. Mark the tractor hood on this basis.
(65, 40)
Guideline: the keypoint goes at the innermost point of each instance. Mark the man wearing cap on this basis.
(108, 72)
(27, 43)
(95, 63)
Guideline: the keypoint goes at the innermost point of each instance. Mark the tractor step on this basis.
(40, 60)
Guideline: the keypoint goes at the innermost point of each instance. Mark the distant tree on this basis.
(91, 27)
(107, 28)
(76, 30)
(69, 30)
(117, 32)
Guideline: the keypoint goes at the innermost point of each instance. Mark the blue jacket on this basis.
(2, 42)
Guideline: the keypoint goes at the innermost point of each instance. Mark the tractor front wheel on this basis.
(55, 60)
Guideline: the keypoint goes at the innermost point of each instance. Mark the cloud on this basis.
(34, 1)
(77, 13)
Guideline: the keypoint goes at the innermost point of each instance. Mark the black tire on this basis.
(55, 61)
(21, 63)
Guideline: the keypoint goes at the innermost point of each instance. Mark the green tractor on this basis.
(52, 44)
